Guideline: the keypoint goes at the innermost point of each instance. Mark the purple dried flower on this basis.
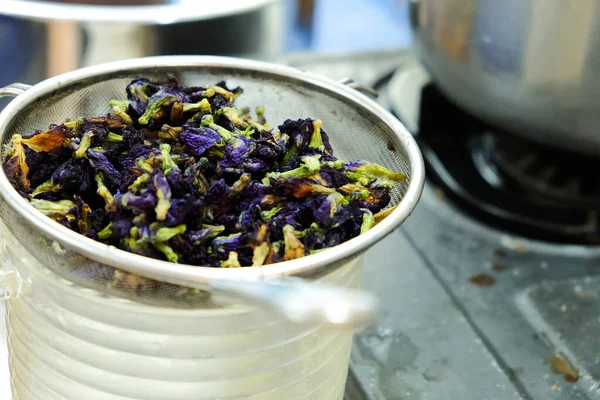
(144, 203)
(268, 151)
(207, 232)
(181, 184)
(135, 152)
(217, 192)
(181, 175)
(198, 140)
(236, 150)
(182, 210)
(333, 177)
(225, 244)
(71, 174)
(132, 136)
(101, 163)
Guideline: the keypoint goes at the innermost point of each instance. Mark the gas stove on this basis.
(491, 289)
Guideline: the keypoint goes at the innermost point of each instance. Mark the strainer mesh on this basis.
(354, 134)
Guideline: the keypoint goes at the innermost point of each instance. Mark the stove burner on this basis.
(552, 174)
(508, 182)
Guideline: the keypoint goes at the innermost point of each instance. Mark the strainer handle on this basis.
(359, 87)
(301, 301)
(13, 90)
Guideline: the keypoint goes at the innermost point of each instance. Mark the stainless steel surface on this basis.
(39, 39)
(530, 67)
(351, 118)
(442, 337)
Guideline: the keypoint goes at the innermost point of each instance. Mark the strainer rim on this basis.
(191, 275)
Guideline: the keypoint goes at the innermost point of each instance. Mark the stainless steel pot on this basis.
(39, 39)
(530, 67)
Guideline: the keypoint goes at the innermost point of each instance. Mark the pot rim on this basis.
(165, 14)
(190, 275)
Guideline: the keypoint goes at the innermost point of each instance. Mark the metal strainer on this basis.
(358, 129)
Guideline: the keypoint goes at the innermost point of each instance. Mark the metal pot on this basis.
(529, 67)
(40, 39)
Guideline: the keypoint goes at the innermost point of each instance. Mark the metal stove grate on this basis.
(552, 174)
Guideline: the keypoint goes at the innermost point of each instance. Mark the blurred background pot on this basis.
(529, 67)
(39, 39)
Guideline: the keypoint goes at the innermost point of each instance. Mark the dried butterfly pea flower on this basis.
(235, 151)
(299, 187)
(53, 209)
(101, 163)
(198, 140)
(183, 175)
(375, 170)
(120, 108)
(16, 167)
(144, 203)
(293, 246)
(138, 94)
(209, 122)
(160, 238)
(84, 220)
(47, 142)
(367, 222)
(206, 233)
(232, 261)
(71, 174)
(163, 194)
(45, 187)
(330, 213)
(183, 209)
(225, 244)
(333, 177)
(102, 190)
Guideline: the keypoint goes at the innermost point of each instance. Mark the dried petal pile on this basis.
(179, 173)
